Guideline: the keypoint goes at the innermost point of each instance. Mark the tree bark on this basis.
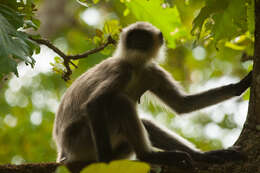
(249, 140)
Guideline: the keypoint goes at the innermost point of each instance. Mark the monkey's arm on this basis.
(166, 89)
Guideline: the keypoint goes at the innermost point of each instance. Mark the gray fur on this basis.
(102, 103)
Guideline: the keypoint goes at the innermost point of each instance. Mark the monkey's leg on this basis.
(123, 151)
(134, 132)
(162, 139)
(98, 115)
(166, 141)
(78, 148)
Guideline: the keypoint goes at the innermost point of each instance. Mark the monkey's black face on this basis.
(140, 39)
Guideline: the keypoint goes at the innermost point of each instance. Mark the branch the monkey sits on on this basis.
(97, 118)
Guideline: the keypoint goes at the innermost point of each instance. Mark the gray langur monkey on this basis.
(97, 118)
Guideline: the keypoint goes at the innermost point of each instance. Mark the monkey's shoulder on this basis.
(110, 67)
(110, 71)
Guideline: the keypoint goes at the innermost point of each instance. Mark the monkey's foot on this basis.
(170, 158)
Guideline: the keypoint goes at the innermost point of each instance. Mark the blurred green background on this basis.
(28, 103)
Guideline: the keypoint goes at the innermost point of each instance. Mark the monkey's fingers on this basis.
(181, 159)
(170, 158)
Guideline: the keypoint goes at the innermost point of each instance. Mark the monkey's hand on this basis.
(170, 158)
(222, 156)
(243, 84)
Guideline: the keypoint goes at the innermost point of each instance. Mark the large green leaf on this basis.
(119, 166)
(167, 19)
(223, 19)
(232, 19)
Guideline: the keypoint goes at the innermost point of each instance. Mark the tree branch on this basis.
(110, 40)
(67, 58)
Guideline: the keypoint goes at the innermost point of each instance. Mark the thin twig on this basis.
(89, 52)
(67, 58)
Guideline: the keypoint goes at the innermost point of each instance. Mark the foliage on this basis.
(218, 17)
(119, 166)
(144, 10)
(192, 65)
(15, 45)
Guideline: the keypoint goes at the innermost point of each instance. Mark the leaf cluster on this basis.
(15, 45)
(224, 19)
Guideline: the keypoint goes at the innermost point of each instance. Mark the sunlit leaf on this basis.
(111, 27)
(246, 95)
(169, 24)
(126, 12)
(234, 46)
(120, 166)
(95, 1)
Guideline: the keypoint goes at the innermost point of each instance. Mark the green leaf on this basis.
(232, 19)
(211, 7)
(12, 16)
(246, 95)
(13, 44)
(119, 166)
(234, 46)
(11, 3)
(111, 27)
(126, 12)
(169, 24)
(36, 22)
(225, 19)
(251, 16)
(7, 65)
(227, 122)
(95, 1)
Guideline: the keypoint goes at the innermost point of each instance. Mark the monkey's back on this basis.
(78, 93)
(80, 90)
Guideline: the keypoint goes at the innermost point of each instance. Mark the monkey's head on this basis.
(140, 40)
